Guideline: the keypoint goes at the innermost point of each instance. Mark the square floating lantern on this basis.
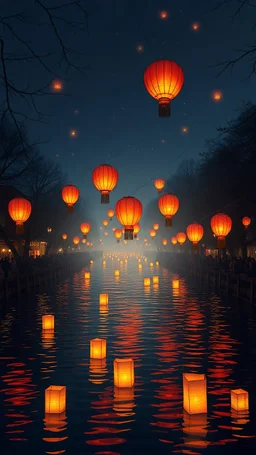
(87, 275)
(155, 279)
(117, 272)
(194, 393)
(55, 399)
(151, 264)
(175, 284)
(146, 281)
(123, 372)
(104, 300)
(98, 348)
(239, 400)
(48, 322)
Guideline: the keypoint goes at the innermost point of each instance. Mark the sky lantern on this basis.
(168, 205)
(152, 233)
(164, 14)
(19, 210)
(174, 241)
(159, 184)
(217, 95)
(85, 229)
(246, 221)
(181, 238)
(105, 178)
(128, 213)
(195, 26)
(70, 195)
(73, 133)
(105, 223)
(76, 240)
(156, 226)
(163, 80)
(221, 225)
(118, 234)
(83, 241)
(195, 233)
(164, 242)
(136, 230)
(111, 213)
(57, 85)
(64, 236)
(140, 48)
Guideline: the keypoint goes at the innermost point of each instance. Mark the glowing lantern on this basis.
(105, 223)
(55, 399)
(87, 275)
(104, 262)
(164, 242)
(111, 213)
(155, 279)
(91, 261)
(73, 133)
(152, 233)
(105, 178)
(163, 80)
(151, 264)
(246, 221)
(118, 234)
(140, 48)
(128, 213)
(195, 26)
(139, 266)
(76, 240)
(159, 184)
(195, 233)
(181, 238)
(117, 272)
(83, 241)
(174, 241)
(70, 195)
(146, 281)
(85, 229)
(175, 284)
(64, 236)
(104, 299)
(136, 230)
(123, 372)
(48, 322)
(221, 225)
(168, 205)
(163, 14)
(98, 348)
(217, 95)
(156, 226)
(194, 393)
(57, 85)
(19, 210)
(157, 263)
(239, 400)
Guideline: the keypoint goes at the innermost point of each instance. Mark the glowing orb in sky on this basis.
(184, 129)
(73, 133)
(195, 26)
(164, 14)
(57, 86)
(140, 48)
(217, 95)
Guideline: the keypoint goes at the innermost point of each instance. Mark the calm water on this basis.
(166, 332)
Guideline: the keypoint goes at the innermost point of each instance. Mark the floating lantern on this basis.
(164, 242)
(239, 400)
(104, 262)
(85, 229)
(87, 275)
(175, 284)
(157, 263)
(139, 266)
(105, 178)
(118, 234)
(19, 210)
(195, 233)
(159, 185)
(123, 372)
(181, 238)
(174, 241)
(105, 223)
(104, 299)
(91, 261)
(155, 279)
(70, 195)
(156, 226)
(246, 221)
(48, 322)
(55, 399)
(76, 240)
(152, 233)
(146, 281)
(221, 225)
(194, 393)
(117, 272)
(151, 264)
(98, 348)
(128, 213)
(64, 236)
(111, 213)
(168, 205)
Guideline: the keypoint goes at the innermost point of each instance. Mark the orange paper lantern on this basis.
(221, 225)
(146, 281)
(168, 205)
(194, 393)
(155, 279)
(159, 184)
(139, 266)
(111, 213)
(76, 240)
(48, 322)
(156, 226)
(117, 272)
(19, 210)
(105, 223)
(152, 233)
(64, 236)
(98, 348)
(128, 213)
(123, 373)
(151, 264)
(105, 178)
(55, 399)
(181, 238)
(104, 299)
(163, 80)
(174, 241)
(195, 233)
(246, 221)
(164, 242)
(85, 229)
(70, 195)
(157, 263)
(239, 400)
(118, 234)
(87, 275)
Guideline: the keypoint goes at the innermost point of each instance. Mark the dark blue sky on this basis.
(118, 121)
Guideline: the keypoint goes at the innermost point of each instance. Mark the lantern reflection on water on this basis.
(104, 300)
(55, 399)
(146, 281)
(55, 423)
(194, 393)
(97, 371)
(117, 272)
(155, 279)
(195, 425)
(151, 264)
(104, 262)
(87, 275)
(157, 263)
(123, 399)
(124, 373)
(48, 322)
(98, 348)
(139, 266)
(239, 400)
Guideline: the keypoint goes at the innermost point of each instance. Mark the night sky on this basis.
(115, 118)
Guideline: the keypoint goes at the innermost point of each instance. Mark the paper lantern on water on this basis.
(156, 226)
(123, 372)
(105, 178)
(98, 348)
(159, 185)
(19, 210)
(64, 236)
(146, 281)
(151, 264)
(155, 279)
(111, 213)
(117, 272)
(181, 238)
(87, 275)
(139, 266)
(85, 229)
(175, 284)
(70, 195)
(157, 263)
(128, 213)
(55, 399)
(239, 400)
(103, 299)
(48, 322)
(163, 80)
(195, 233)
(194, 393)
(168, 205)
(104, 262)
(246, 221)
(221, 225)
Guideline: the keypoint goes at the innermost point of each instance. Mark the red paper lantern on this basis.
(70, 195)
(85, 229)
(76, 240)
(111, 213)
(118, 234)
(19, 210)
(64, 236)
(159, 184)
(174, 241)
(246, 221)
(128, 213)
(221, 225)
(105, 178)
(168, 205)
(181, 238)
(195, 233)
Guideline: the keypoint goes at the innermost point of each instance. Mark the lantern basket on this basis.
(128, 234)
(221, 243)
(70, 209)
(164, 108)
(168, 222)
(19, 229)
(104, 198)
